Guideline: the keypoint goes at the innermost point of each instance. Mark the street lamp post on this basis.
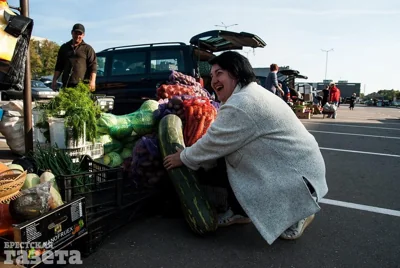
(226, 26)
(326, 62)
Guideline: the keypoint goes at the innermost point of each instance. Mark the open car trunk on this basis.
(213, 41)
(217, 40)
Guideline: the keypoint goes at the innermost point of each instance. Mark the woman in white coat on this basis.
(274, 165)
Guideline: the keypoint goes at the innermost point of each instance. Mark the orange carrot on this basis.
(199, 131)
(188, 115)
(199, 113)
(193, 127)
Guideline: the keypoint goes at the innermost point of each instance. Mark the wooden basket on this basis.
(10, 184)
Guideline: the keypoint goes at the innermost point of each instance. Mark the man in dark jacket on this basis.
(325, 96)
(76, 61)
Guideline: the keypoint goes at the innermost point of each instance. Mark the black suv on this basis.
(132, 73)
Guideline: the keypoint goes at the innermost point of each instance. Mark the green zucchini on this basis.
(200, 216)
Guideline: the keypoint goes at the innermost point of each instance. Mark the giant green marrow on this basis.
(200, 216)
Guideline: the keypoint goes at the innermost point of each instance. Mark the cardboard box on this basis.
(50, 232)
(300, 110)
(303, 115)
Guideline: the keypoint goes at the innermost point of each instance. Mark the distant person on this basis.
(76, 61)
(353, 100)
(272, 83)
(334, 97)
(325, 96)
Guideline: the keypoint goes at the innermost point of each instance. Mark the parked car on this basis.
(131, 73)
(48, 82)
(396, 103)
(38, 88)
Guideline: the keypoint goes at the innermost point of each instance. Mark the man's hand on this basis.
(54, 85)
(92, 85)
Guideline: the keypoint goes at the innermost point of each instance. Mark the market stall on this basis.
(84, 172)
(303, 107)
(110, 163)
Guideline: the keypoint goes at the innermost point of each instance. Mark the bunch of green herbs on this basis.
(76, 106)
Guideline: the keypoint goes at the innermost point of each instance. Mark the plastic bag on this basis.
(140, 122)
(12, 72)
(110, 144)
(12, 126)
(149, 105)
(112, 159)
(146, 165)
(143, 122)
(123, 128)
(34, 202)
(330, 108)
(7, 41)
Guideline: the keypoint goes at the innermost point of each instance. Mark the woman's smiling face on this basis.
(222, 82)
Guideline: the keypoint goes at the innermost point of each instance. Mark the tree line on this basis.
(43, 56)
(386, 94)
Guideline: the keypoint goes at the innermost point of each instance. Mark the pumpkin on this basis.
(3, 167)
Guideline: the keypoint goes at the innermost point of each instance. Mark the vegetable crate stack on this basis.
(32, 210)
(139, 141)
(102, 187)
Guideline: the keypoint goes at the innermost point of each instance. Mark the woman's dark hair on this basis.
(237, 65)
(273, 67)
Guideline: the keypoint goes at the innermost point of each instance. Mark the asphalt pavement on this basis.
(358, 225)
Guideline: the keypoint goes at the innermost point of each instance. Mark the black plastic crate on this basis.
(101, 186)
(104, 227)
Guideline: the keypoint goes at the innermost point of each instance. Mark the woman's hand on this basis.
(173, 160)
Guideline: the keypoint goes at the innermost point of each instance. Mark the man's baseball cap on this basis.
(79, 28)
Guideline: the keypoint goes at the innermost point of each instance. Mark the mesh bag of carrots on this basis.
(199, 114)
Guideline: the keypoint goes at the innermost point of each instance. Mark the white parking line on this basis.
(373, 120)
(355, 134)
(345, 125)
(358, 152)
(384, 211)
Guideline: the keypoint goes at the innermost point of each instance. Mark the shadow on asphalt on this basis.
(339, 237)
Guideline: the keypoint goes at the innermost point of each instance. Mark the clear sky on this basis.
(365, 35)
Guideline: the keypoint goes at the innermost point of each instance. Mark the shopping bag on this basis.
(12, 73)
